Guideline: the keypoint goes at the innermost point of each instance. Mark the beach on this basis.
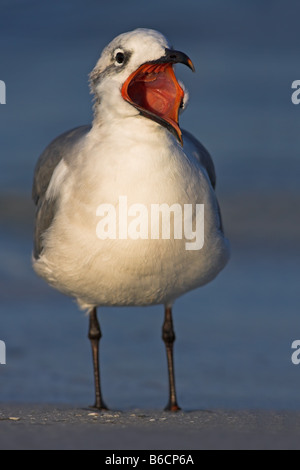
(65, 428)
(237, 384)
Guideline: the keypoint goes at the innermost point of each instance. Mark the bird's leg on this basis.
(95, 336)
(169, 338)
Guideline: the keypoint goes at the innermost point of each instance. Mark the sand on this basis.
(65, 428)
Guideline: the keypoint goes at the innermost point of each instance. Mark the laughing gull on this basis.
(134, 152)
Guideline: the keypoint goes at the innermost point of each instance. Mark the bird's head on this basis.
(135, 75)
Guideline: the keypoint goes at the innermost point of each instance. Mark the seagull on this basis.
(134, 149)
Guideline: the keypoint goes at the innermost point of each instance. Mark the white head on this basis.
(134, 75)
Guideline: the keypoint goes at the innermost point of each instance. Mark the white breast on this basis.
(125, 271)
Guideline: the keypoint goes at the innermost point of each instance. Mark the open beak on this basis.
(154, 90)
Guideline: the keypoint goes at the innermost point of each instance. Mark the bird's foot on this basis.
(99, 407)
(172, 407)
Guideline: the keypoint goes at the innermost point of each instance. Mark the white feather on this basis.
(127, 154)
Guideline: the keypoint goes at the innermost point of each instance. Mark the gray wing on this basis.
(48, 161)
(207, 162)
(203, 156)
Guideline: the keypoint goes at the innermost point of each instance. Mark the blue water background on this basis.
(234, 336)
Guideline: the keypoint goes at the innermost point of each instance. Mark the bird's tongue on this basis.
(154, 88)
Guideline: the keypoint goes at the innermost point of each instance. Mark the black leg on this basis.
(95, 336)
(169, 338)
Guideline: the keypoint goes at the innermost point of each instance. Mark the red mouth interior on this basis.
(154, 88)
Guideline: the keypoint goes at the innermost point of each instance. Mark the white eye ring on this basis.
(119, 57)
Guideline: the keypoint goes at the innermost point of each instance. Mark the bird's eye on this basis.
(119, 58)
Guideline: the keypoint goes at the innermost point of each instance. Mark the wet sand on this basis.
(62, 427)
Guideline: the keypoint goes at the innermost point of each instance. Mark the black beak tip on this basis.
(177, 57)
